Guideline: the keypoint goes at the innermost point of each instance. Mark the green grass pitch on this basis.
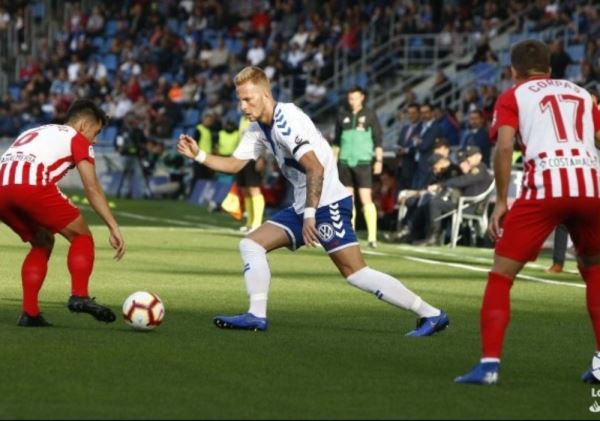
(331, 351)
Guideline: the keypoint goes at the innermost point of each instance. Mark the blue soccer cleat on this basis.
(588, 377)
(246, 321)
(427, 326)
(482, 373)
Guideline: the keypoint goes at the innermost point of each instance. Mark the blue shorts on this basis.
(334, 224)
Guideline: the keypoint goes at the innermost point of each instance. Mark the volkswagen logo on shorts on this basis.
(325, 232)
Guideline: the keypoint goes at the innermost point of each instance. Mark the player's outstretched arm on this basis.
(97, 199)
(187, 146)
(314, 186)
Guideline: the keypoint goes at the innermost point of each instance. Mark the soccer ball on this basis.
(143, 310)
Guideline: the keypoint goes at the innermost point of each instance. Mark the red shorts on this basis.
(529, 223)
(26, 209)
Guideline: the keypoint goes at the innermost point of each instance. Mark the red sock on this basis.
(591, 275)
(33, 273)
(81, 262)
(495, 314)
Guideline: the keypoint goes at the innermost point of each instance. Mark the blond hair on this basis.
(252, 74)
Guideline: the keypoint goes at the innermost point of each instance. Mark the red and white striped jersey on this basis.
(555, 122)
(43, 155)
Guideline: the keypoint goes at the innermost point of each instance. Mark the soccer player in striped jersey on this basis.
(34, 207)
(321, 212)
(558, 128)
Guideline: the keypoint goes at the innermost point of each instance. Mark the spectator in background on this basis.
(474, 180)
(469, 102)
(129, 68)
(315, 92)
(490, 94)
(415, 202)
(424, 142)
(505, 79)
(96, 69)
(405, 150)
(166, 114)
(477, 135)
(61, 85)
(95, 23)
(256, 55)
(31, 68)
(295, 58)
(300, 37)
(5, 18)
(219, 58)
(349, 40)
(447, 122)
(559, 60)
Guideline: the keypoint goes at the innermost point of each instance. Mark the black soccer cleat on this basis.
(25, 320)
(90, 306)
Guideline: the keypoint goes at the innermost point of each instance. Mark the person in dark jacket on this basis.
(475, 179)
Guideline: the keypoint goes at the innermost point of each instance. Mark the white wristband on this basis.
(201, 157)
(309, 213)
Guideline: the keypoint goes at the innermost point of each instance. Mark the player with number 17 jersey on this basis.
(555, 122)
(558, 127)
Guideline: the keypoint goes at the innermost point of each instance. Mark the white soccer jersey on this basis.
(43, 155)
(556, 122)
(293, 134)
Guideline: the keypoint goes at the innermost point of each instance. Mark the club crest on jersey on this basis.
(325, 231)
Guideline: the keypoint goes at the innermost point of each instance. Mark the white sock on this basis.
(391, 290)
(257, 275)
(490, 360)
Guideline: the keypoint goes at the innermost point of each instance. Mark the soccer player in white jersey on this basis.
(321, 212)
(558, 129)
(33, 206)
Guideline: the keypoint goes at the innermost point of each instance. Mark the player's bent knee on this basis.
(250, 247)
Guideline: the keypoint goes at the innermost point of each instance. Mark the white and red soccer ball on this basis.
(143, 310)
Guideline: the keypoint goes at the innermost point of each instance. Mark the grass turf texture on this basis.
(331, 351)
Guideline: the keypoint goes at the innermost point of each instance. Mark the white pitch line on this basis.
(155, 219)
(473, 258)
(215, 230)
(374, 253)
(477, 269)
